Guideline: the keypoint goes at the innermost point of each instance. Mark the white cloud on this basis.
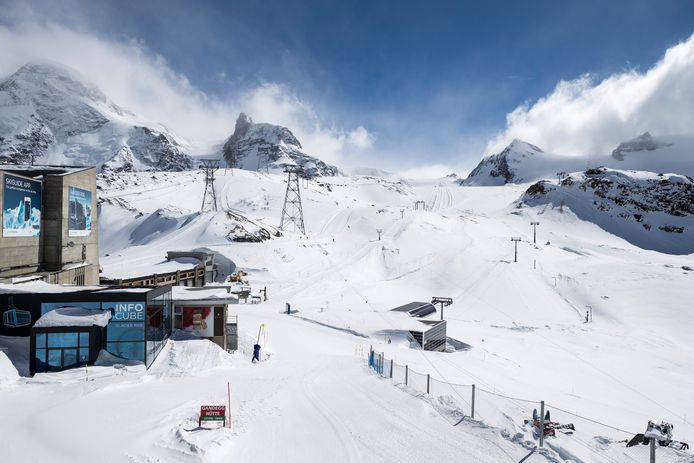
(583, 116)
(139, 79)
(361, 138)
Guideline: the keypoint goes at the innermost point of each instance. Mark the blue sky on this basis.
(433, 79)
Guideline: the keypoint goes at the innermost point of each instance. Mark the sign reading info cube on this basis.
(212, 413)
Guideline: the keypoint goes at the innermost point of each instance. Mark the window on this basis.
(62, 340)
(56, 351)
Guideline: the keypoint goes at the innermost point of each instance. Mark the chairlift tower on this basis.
(209, 198)
(292, 212)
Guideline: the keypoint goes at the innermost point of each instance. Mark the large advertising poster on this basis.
(80, 214)
(21, 208)
(198, 321)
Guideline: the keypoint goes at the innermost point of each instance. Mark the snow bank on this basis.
(8, 373)
(73, 316)
(190, 358)
(106, 359)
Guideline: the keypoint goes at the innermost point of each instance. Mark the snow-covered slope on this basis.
(522, 325)
(261, 146)
(49, 115)
(652, 211)
(520, 162)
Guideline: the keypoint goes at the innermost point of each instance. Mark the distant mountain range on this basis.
(50, 115)
(521, 162)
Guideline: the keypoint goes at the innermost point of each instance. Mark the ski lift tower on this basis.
(209, 199)
(292, 212)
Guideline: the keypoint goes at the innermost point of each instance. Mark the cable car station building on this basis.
(49, 224)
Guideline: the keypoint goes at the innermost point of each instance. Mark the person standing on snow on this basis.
(256, 353)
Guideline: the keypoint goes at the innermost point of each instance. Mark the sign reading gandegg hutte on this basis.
(21, 206)
(80, 213)
(212, 413)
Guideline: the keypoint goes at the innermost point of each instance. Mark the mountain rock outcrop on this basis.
(261, 146)
(652, 211)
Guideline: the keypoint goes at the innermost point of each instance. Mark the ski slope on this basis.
(313, 399)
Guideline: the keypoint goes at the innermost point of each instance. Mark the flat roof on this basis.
(218, 294)
(36, 170)
(145, 268)
(416, 309)
(42, 287)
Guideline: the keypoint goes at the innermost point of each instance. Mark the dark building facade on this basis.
(140, 324)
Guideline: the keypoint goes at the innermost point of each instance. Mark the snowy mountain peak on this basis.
(256, 146)
(520, 146)
(243, 123)
(503, 167)
(50, 115)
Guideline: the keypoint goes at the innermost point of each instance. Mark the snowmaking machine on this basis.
(661, 432)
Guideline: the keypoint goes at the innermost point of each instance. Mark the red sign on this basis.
(212, 413)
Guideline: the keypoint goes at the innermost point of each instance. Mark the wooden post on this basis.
(391, 368)
(652, 450)
(428, 381)
(472, 407)
(406, 372)
(542, 423)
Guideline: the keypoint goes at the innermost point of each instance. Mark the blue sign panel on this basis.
(80, 217)
(125, 311)
(21, 206)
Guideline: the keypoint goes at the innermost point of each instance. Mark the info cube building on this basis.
(70, 325)
(49, 224)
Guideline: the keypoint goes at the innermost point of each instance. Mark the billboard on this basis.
(21, 206)
(80, 212)
(198, 321)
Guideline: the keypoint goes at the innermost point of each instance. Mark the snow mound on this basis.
(190, 358)
(8, 373)
(107, 359)
(73, 316)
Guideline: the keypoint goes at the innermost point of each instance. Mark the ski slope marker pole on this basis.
(229, 402)
(542, 422)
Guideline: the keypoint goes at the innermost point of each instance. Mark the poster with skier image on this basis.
(80, 214)
(21, 206)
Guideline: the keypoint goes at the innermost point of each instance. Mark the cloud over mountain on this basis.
(143, 81)
(591, 116)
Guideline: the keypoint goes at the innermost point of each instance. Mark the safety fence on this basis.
(571, 435)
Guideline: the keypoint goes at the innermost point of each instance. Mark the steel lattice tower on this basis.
(209, 199)
(292, 212)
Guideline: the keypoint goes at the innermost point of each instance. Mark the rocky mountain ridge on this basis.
(262, 146)
(652, 211)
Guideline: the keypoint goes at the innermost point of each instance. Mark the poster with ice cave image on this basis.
(198, 321)
(80, 218)
(21, 206)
